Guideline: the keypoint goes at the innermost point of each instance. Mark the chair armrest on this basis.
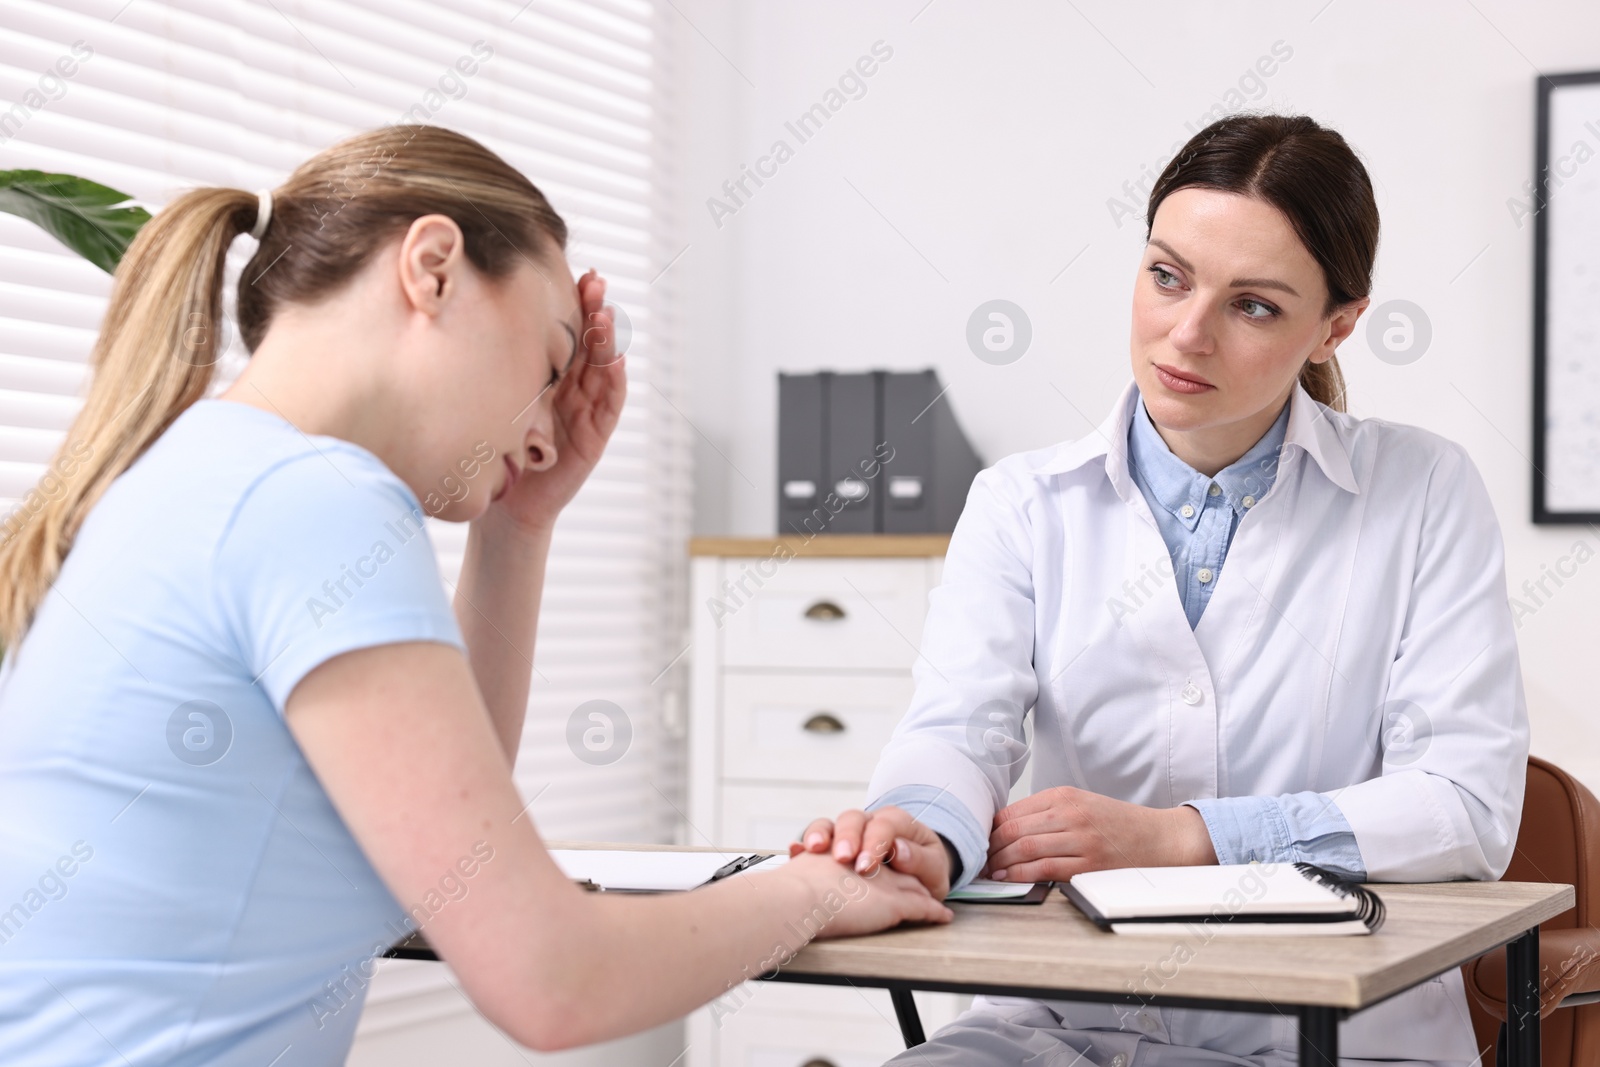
(1569, 962)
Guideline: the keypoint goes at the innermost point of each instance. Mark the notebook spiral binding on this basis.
(1370, 906)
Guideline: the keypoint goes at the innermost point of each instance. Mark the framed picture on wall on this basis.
(1564, 201)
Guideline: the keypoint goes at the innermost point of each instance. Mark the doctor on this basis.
(1333, 679)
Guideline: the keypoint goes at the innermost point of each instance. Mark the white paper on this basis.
(1345, 929)
(1239, 889)
(1572, 326)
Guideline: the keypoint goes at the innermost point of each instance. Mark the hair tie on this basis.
(263, 213)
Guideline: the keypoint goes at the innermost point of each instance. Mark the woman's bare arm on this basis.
(502, 574)
(410, 757)
(496, 602)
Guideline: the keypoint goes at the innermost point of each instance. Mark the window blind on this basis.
(167, 94)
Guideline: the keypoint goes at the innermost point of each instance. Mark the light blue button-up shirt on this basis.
(1197, 517)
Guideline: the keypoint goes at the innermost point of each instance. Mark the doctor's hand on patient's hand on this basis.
(864, 840)
(1060, 832)
(861, 904)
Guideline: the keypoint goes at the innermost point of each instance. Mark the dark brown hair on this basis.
(1310, 174)
(159, 342)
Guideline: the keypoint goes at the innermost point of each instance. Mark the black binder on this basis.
(870, 452)
(851, 430)
(925, 485)
(800, 457)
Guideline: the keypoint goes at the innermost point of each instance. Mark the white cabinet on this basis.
(816, 726)
(802, 657)
(827, 614)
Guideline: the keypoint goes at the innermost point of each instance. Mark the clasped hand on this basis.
(1046, 837)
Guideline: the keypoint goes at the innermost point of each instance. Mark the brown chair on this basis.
(1559, 842)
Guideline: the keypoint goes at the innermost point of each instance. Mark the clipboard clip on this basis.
(734, 866)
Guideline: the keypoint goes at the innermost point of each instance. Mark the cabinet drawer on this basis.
(809, 727)
(753, 816)
(825, 613)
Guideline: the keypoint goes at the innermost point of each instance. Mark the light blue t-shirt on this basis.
(175, 886)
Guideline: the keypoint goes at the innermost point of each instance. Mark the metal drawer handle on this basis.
(824, 722)
(825, 611)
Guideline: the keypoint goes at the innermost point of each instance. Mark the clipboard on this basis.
(672, 871)
(647, 871)
(983, 891)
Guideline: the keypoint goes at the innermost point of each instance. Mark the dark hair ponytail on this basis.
(1310, 174)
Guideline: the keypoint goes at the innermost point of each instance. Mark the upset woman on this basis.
(245, 741)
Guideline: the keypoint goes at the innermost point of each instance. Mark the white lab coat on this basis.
(1358, 642)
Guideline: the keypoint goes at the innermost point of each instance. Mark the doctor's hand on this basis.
(1060, 832)
(860, 903)
(865, 840)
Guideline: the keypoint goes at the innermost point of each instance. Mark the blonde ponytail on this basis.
(153, 358)
(157, 347)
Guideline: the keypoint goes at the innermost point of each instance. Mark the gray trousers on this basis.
(1012, 1032)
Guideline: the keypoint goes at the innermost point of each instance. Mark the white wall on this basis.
(980, 162)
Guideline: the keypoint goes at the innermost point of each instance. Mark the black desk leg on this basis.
(905, 1010)
(1522, 1001)
(1319, 1037)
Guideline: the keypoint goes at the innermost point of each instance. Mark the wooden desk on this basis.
(1051, 952)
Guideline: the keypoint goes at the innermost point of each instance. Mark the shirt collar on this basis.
(1248, 478)
(1172, 483)
(1310, 429)
(1176, 486)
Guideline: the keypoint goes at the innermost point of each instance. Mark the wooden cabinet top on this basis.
(824, 545)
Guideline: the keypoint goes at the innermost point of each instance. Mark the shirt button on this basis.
(1191, 693)
(1187, 511)
(1204, 575)
(1119, 1060)
(1249, 501)
(1215, 490)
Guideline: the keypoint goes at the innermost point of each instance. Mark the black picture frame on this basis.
(1543, 511)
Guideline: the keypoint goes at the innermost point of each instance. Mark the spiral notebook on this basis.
(1260, 899)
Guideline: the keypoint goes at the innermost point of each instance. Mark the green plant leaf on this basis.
(79, 213)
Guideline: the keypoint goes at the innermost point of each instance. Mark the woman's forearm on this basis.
(607, 965)
(497, 606)
(756, 925)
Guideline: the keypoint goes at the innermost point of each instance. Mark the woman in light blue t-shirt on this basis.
(245, 742)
